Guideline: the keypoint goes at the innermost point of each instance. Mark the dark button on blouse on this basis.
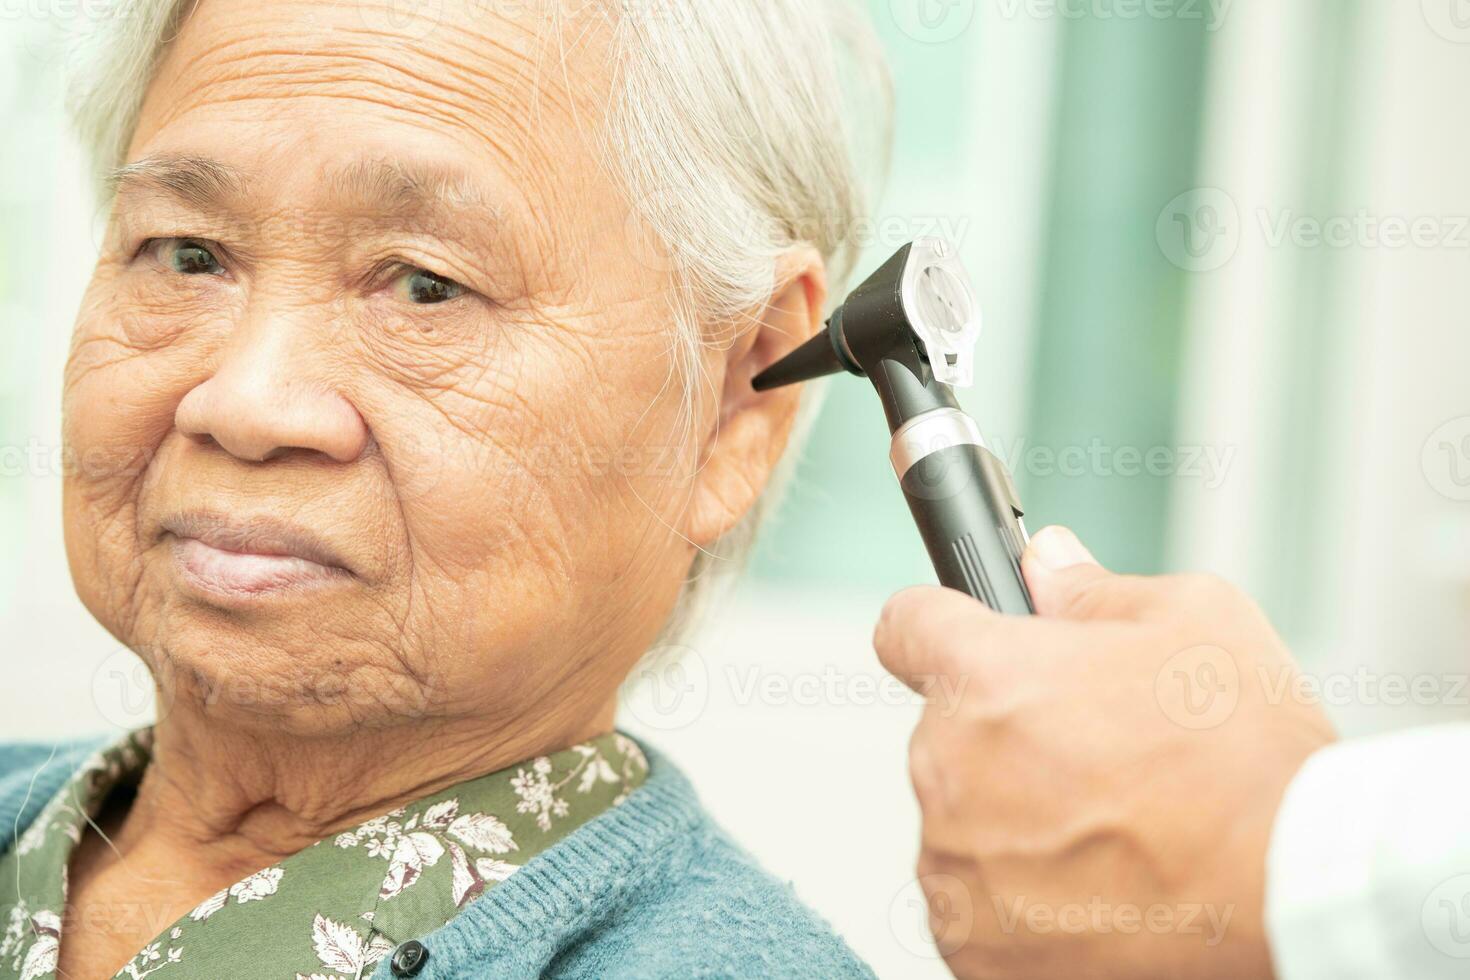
(409, 958)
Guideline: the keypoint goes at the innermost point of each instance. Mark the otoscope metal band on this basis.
(927, 434)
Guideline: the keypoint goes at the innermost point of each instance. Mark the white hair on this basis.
(741, 129)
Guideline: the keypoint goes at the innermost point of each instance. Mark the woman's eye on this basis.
(423, 286)
(190, 257)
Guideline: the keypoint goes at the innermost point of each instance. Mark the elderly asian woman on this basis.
(410, 407)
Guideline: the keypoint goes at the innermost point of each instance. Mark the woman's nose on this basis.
(259, 404)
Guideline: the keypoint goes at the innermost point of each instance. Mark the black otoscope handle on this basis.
(965, 505)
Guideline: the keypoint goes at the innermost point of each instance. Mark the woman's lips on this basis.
(249, 558)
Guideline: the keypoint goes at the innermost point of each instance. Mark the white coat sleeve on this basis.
(1368, 872)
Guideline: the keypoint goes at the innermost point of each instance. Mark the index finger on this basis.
(928, 632)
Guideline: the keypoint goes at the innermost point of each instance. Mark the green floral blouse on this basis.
(334, 909)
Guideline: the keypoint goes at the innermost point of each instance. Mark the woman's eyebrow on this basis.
(377, 184)
(198, 181)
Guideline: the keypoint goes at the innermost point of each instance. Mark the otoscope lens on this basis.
(943, 299)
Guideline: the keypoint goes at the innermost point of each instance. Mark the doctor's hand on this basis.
(1098, 782)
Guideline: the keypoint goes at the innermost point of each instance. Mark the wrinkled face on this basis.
(370, 398)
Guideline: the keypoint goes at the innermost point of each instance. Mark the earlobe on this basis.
(750, 429)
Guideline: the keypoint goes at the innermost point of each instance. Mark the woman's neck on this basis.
(242, 799)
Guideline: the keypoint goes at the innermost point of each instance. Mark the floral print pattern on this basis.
(333, 910)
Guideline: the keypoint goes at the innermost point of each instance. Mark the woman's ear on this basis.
(751, 428)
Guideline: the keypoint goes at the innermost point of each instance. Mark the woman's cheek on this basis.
(485, 477)
(470, 498)
(130, 365)
(132, 359)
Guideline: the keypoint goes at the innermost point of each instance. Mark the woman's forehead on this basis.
(310, 83)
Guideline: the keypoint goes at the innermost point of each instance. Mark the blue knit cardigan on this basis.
(649, 889)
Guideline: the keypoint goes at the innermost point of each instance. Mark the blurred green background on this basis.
(1125, 126)
(1122, 112)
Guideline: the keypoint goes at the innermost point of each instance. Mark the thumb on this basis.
(1068, 583)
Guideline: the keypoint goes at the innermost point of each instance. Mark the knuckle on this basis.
(990, 719)
(926, 867)
(919, 758)
(894, 623)
(924, 771)
(898, 607)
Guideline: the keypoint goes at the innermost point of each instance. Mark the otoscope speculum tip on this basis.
(920, 299)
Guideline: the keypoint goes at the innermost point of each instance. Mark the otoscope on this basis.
(911, 329)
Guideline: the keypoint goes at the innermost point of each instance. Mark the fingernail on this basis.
(1058, 548)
